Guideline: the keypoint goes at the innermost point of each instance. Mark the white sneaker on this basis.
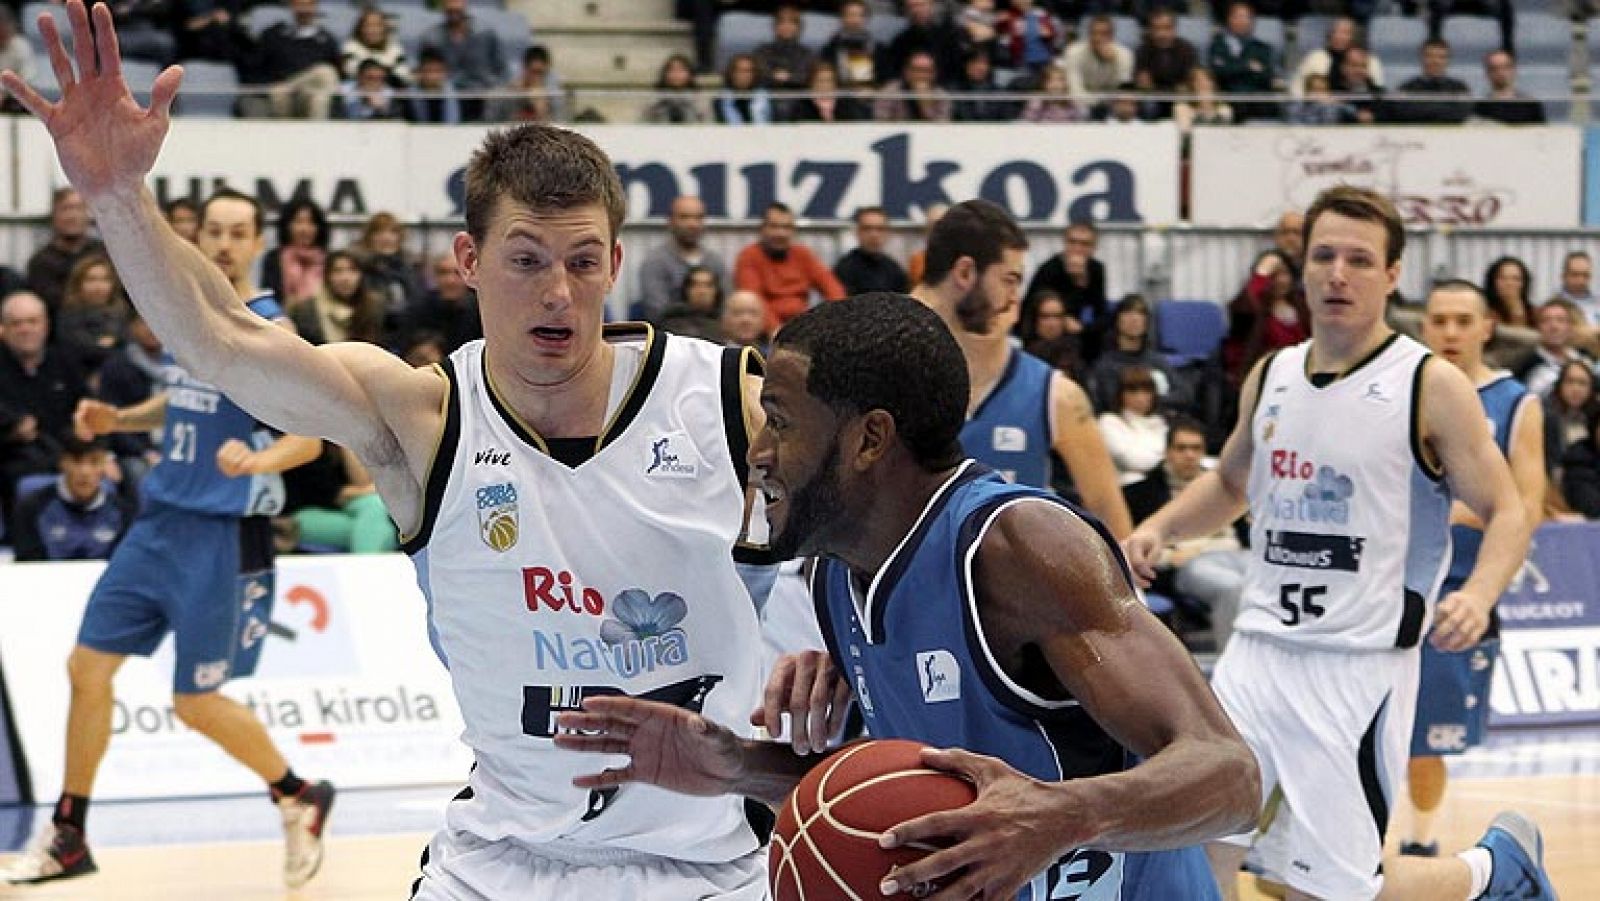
(304, 816)
(56, 852)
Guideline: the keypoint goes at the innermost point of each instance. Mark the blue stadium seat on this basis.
(27, 485)
(1127, 28)
(1310, 33)
(260, 18)
(741, 32)
(1544, 81)
(884, 28)
(1197, 30)
(1190, 330)
(817, 29)
(1471, 38)
(209, 89)
(1543, 39)
(1397, 40)
(1269, 30)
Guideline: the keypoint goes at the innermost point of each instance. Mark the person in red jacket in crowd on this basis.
(782, 272)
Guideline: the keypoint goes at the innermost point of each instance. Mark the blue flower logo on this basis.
(638, 615)
(1330, 486)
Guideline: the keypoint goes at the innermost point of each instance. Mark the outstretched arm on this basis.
(1076, 437)
(107, 145)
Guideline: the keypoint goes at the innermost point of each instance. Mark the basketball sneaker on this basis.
(57, 852)
(304, 817)
(1517, 852)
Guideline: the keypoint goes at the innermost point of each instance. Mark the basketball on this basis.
(826, 841)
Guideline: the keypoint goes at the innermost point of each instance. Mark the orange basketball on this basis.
(826, 842)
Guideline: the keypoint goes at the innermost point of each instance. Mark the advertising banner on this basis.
(347, 686)
(1549, 667)
(1500, 177)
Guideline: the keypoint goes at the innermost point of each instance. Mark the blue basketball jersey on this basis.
(912, 645)
(1010, 431)
(1500, 397)
(199, 420)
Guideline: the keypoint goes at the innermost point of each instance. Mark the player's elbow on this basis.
(1239, 777)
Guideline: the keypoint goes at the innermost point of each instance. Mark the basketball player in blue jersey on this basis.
(197, 563)
(1020, 408)
(573, 496)
(1348, 450)
(1453, 700)
(970, 613)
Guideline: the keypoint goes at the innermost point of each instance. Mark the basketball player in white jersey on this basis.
(1020, 409)
(1348, 450)
(572, 497)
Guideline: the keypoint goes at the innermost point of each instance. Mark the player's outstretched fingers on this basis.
(595, 723)
(82, 39)
(60, 63)
(164, 91)
(107, 50)
(26, 95)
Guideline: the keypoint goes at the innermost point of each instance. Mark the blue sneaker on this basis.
(1517, 851)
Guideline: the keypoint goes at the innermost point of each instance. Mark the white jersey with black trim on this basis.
(1350, 537)
(548, 583)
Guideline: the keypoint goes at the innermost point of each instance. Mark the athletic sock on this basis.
(72, 810)
(1481, 864)
(287, 787)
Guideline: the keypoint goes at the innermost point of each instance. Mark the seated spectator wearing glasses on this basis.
(1504, 103)
(1410, 107)
(79, 516)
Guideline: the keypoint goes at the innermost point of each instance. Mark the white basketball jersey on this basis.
(1350, 535)
(548, 584)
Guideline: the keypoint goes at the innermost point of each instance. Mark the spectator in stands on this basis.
(214, 30)
(423, 349)
(744, 318)
(16, 53)
(663, 270)
(1569, 411)
(975, 26)
(1125, 107)
(434, 96)
(1209, 570)
(927, 31)
(184, 217)
(1435, 80)
(697, 312)
(1079, 280)
(392, 273)
(1268, 313)
(129, 376)
(1580, 471)
(1541, 367)
(1355, 85)
(824, 103)
(1052, 99)
(1243, 63)
(1205, 108)
(1044, 334)
(742, 101)
(373, 39)
(1128, 342)
(1164, 61)
(1505, 11)
(449, 311)
(300, 61)
(782, 272)
(335, 506)
(343, 309)
(1504, 103)
(1135, 433)
(292, 271)
(919, 257)
(77, 517)
(1577, 274)
(369, 97)
(783, 64)
(916, 95)
(473, 55)
(1028, 37)
(537, 89)
(40, 385)
(1328, 59)
(976, 81)
(1098, 64)
(1318, 106)
(677, 100)
(866, 267)
(94, 312)
(853, 51)
(69, 242)
(1288, 237)
(145, 29)
(1507, 285)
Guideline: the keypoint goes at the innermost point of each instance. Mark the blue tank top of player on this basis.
(913, 648)
(1010, 432)
(1500, 397)
(199, 420)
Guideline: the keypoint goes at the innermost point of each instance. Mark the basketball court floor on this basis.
(230, 848)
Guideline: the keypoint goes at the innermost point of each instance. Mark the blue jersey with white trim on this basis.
(913, 647)
(1501, 396)
(1010, 430)
(199, 420)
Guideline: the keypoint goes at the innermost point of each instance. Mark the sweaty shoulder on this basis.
(1036, 550)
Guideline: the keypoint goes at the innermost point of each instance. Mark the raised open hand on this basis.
(669, 746)
(106, 142)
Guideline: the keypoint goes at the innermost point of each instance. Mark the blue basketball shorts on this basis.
(1453, 699)
(205, 578)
